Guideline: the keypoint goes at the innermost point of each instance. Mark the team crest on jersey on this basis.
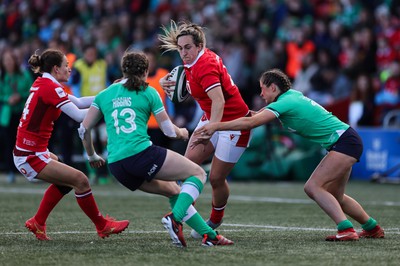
(232, 136)
(60, 92)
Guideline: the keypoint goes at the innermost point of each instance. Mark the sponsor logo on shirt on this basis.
(60, 92)
(29, 142)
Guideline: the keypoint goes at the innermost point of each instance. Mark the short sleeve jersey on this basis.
(126, 114)
(41, 109)
(208, 72)
(307, 118)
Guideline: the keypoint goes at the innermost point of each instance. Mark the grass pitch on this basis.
(271, 224)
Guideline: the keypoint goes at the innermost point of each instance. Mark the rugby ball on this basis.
(178, 93)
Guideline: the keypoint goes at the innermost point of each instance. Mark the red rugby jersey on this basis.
(208, 72)
(41, 109)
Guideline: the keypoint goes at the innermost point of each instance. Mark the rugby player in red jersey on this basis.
(46, 101)
(210, 84)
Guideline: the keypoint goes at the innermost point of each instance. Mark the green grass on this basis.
(271, 224)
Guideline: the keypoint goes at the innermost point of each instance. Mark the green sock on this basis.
(182, 204)
(370, 224)
(345, 224)
(195, 182)
(191, 188)
(199, 225)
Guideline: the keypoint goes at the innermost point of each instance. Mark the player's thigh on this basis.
(332, 173)
(199, 153)
(227, 154)
(177, 167)
(61, 174)
(161, 187)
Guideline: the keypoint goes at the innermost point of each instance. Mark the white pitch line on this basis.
(242, 226)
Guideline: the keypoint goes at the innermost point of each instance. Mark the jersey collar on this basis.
(49, 76)
(197, 59)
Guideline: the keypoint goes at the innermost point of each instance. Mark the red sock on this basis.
(217, 213)
(51, 198)
(89, 207)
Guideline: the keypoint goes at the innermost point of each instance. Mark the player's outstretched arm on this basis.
(169, 129)
(93, 116)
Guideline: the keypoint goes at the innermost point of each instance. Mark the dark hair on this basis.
(134, 66)
(46, 61)
(277, 77)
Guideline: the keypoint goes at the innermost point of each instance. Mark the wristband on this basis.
(94, 157)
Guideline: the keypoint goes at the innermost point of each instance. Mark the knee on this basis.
(309, 189)
(216, 181)
(81, 182)
(201, 174)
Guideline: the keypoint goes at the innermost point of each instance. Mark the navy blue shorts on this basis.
(349, 143)
(134, 170)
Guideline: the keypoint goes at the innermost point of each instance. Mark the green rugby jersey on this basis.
(307, 118)
(126, 114)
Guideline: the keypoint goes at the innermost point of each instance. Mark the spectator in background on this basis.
(296, 49)
(387, 25)
(89, 77)
(321, 37)
(15, 82)
(155, 74)
(362, 106)
(388, 96)
(347, 56)
(90, 72)
(321, 87)
(385, 54)
(272, 56)
(364, 41)
(302, 81)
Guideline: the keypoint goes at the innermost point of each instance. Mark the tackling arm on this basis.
(74, 112)
(168, 128)
(81, 103)
(93, 116)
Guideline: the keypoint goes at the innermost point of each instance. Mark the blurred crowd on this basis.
(344, 54)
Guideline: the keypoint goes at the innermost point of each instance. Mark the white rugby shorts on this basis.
(30, 163)
(228, 145)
